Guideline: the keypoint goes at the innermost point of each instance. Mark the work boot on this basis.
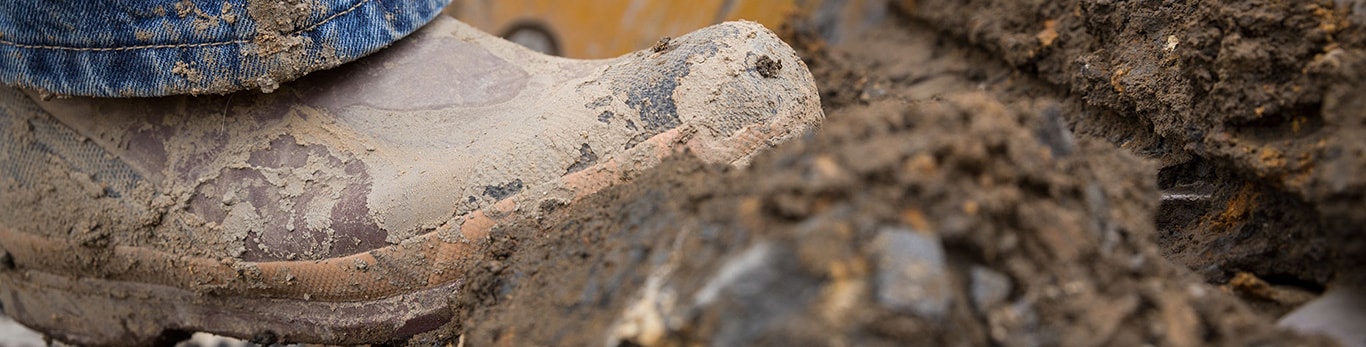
(346, 207)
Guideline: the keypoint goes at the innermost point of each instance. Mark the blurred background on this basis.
(590, 29)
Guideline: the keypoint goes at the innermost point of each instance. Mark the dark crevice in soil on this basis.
(1218, 222)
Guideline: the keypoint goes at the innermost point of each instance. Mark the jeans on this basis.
(139, 48)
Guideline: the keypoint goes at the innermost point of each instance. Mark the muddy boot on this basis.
(346, 207)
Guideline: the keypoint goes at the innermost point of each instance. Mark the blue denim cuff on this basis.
(135, 48)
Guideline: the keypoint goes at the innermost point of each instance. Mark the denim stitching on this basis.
(129, 48)
(187, 45)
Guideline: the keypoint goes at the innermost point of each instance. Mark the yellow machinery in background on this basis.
(608, 28)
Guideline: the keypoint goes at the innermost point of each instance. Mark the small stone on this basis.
(768, 67)
(1053, 132)
(661, 45)
(267, 84)
(989, 287)
(910, 276)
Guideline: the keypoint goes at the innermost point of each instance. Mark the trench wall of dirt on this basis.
(1251, 106)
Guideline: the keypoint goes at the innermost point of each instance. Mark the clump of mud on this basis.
(962, 221)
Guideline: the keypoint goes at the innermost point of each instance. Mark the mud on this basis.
(811, 247)
(957, 194)
(333, 193)
(1019, 173)
(1249, 105)
(277, 25)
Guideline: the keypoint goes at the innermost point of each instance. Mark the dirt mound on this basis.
(962, 222)
(944, 202)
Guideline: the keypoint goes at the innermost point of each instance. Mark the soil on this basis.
(1081, 172)
(992, 172)
(1251, 103)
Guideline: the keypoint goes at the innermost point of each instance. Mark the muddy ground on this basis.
(1022, 173)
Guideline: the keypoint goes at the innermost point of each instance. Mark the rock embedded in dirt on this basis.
(911, 278)
(989, 287)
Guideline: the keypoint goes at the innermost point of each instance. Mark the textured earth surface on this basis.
(1022, 173)
(1250, 105)
(990, 172)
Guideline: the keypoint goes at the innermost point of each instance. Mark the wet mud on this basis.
(1030, 173)
(1014, 173)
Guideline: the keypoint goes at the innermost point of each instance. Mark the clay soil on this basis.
(1020, 173)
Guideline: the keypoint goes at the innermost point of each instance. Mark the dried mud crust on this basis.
(1255, 105)
(943, 202)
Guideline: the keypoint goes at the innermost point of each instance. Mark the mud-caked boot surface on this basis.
(346, 207)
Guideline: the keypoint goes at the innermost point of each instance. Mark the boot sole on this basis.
(125, 295)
